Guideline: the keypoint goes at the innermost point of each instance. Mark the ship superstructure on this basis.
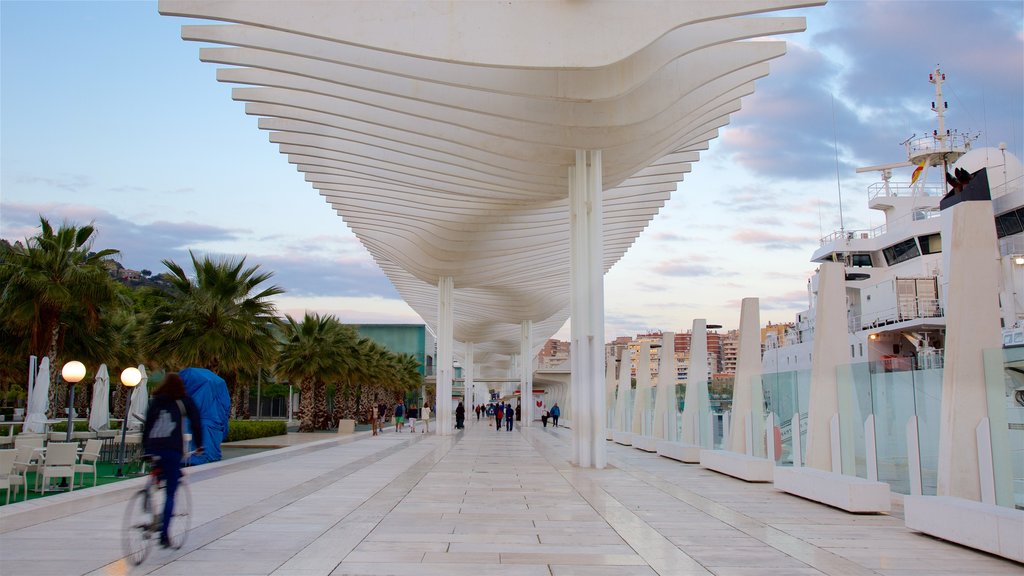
(895, 272)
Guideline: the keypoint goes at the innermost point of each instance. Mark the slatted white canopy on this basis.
(443, 132)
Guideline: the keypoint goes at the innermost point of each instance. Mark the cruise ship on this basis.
(896, 272)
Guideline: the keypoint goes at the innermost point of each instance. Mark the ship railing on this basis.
(952, 141)
(923, 213)
(904, 189)
(908, 309)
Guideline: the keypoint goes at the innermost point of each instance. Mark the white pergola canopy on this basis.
(443, 132)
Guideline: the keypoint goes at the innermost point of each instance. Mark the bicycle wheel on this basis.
(138, 533)
(181, 521)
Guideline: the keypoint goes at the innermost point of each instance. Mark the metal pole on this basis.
(71, 408)
(124, 432)
(289, 404)
(259, 381)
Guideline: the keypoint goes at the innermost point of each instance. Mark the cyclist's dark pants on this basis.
(170, 466)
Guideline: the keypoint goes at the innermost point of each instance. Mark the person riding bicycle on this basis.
(162, 437)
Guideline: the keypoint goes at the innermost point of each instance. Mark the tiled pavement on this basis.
(480, 502)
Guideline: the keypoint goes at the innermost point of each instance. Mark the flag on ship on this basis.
(917, 172)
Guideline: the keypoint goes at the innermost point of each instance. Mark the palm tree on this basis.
(313, 353)
(53, 282)
(221, 320)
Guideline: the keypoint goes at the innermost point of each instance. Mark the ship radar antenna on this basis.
(835, 147)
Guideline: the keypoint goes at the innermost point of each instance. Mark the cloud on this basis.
(682, 269)
(874, 58)
(771, 240)
(795, 301)
(304, 266)
(68, 182)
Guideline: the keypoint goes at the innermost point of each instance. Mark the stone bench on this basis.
(737, 465)
(849, 493)
(624, 438)
(645, 443)
(689, 453)
(994, 529)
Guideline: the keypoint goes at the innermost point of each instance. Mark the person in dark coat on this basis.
(460, 416)
(499, 415)
(162, 437)
(555, 412)
(510, 416)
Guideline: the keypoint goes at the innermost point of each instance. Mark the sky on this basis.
(108, 117)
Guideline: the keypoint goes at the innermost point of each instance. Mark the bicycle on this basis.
(143, 519)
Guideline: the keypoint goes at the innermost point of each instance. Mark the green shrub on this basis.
(80, 426)
(247, 429)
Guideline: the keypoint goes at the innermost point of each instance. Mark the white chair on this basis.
(6, 469)
(8, 439)
(29, 439)
(59, 462)
(26, 459)
(87, 461)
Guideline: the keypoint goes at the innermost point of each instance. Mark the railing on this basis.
(923, 213)
(904, 190)
(909, 309)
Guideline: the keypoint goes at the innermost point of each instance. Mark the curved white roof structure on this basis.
(443, 132)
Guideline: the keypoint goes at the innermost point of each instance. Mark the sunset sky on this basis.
(107, 116)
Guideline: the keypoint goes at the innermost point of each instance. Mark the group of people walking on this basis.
(502, 412)
(400, 414)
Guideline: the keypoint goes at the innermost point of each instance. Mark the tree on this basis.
(314, 352)
(52, 283)
(221, 320)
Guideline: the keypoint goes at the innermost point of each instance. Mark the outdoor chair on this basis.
(6, 469)
(8, 439)
(59, 462)
(29, 439)
(87, 461)
(26, 459)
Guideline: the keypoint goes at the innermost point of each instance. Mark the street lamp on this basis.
(130, 377)
(72, 372)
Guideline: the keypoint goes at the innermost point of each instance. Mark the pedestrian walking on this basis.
(499, 415)
(399, 415)
(555, 412)
(371, 415)
(510, 416)
(425, 416)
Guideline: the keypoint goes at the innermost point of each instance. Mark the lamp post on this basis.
(130, 377)
(72, 372)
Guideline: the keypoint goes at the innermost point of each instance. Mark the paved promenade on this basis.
(480, 502)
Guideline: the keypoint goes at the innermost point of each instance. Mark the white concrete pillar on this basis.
(587, 304)
(747, 396)
(697, 407)
(972, 326)
(468, 367)
(665, 399)
(831, 341)
(445, 341)
(609, 388)
(526, 372)
(624, 388)
(643, 387)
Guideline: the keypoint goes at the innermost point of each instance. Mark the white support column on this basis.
(587, 305)
(609, 389)
(622, 399)
(697, 408)
(748, 399)
(468, 368)
(526, 372)
(830, 349)
(970, 246)
(665, 397)
(445, 341)
(643, 387)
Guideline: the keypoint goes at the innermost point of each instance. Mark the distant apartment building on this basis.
(714, 348)
(554, 352)
(730, 351)
(779, 330)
